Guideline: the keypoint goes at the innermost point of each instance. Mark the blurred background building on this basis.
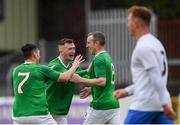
(44, 22)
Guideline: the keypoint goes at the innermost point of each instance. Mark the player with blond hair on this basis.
(151, 100)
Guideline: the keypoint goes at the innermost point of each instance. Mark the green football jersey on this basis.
(59, 95)
(103, 98)
(29, 82)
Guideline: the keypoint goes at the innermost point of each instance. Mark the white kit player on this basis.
(151, 100)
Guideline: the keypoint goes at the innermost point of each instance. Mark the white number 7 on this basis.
(26, 74)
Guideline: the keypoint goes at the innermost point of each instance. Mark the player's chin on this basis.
(71, 58)
(92, 52)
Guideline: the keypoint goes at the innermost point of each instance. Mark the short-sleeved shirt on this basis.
(59, 94)
(103, 98)
(147, 54)
(29, 82)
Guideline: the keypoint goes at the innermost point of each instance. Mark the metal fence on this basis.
(113, 23)
(119, 44)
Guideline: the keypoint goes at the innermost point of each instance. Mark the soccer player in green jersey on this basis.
(59, 96)
(104, 108)
(29, 82)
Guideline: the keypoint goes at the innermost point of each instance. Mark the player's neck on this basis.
(31, 60)
(99, 50)
(63, 60)
(141, 32)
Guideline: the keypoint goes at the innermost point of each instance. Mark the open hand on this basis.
(78, 60)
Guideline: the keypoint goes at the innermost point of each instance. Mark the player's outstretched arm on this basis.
(89, 82)
(120, 93)
(68, 74)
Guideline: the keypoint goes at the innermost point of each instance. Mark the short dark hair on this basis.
(65, 40)
(141, 12)
(27, 50)
(98, 36)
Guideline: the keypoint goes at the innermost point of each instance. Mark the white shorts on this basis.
(111, 116)
(60, 119)
(42, 119)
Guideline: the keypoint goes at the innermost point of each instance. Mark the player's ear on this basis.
(35, 53)
(60, 47)
(137, 22)
(97, 43)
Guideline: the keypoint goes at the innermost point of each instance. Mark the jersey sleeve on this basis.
(81, 72)
(147, 57)
(99, 68)
(160, 87)
(49, 73)
(52, 66)
(130, 89)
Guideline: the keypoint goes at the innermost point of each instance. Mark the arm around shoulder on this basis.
(94, 82)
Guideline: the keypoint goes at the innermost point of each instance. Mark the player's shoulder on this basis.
(144, 50)
(26, 67)
(23, 66)
(101, 55)
(55, 60)
(148, 36)
(102, 58)
(148, 40)
(149, 45)
(40, 66)
(18, 67)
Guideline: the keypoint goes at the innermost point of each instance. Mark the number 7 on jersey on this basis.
(26, 74)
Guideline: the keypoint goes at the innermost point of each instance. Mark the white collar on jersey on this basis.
(28, 62)
(100, 52)
(62, 62)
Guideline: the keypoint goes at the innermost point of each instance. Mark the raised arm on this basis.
(68, 74)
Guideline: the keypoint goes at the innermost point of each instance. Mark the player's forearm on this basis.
(130, 89)
(82, 72)
(66, 76)
(95, 81)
